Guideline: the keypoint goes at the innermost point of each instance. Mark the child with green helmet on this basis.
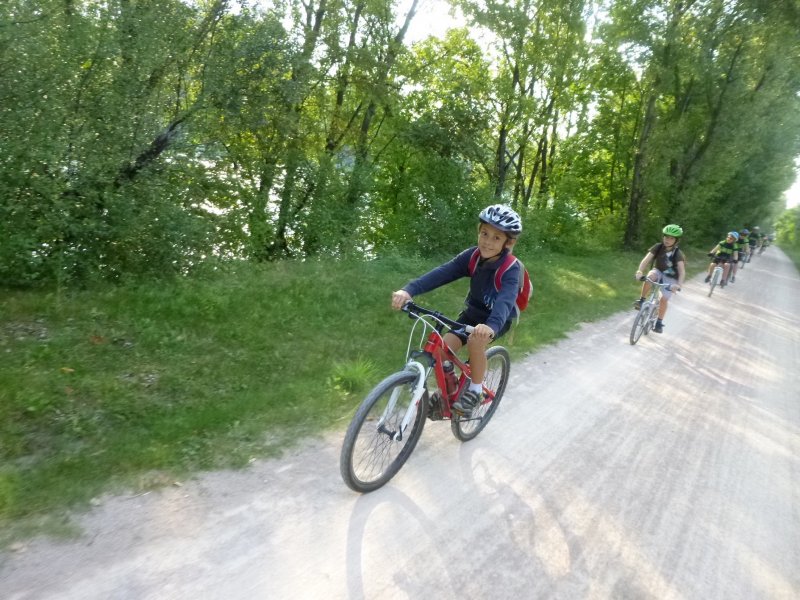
(665, 264)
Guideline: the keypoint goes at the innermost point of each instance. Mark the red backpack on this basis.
(525, 289)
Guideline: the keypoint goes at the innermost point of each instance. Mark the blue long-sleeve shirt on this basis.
(483, 304)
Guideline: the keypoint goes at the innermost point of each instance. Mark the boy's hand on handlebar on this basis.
(639, 276)
(400, 298)
(482, 332)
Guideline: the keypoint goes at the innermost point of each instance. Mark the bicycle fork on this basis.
(413, 406)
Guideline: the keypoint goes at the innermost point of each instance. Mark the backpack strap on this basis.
(509, 260)
(473, 261)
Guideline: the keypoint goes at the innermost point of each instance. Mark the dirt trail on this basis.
(669, 469)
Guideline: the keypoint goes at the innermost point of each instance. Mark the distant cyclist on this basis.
(723, 254)
(738, 256)
(744, 245)
(765, 241)
(666, 264)
(755, 239)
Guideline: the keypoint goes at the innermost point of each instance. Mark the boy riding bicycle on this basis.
(744, 245)
(667, 265)
(724, 253)
(737, 246)
(488, 309)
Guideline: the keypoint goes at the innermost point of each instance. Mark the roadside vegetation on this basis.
(135, 387)
(793, 252)
(788, 230)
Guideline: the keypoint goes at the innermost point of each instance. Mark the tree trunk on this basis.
(638, 195)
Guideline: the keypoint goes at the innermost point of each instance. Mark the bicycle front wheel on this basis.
(640, 323)
(497, 369)
(714, 282)
(374, 449)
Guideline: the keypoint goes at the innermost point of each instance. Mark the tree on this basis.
(91, 98)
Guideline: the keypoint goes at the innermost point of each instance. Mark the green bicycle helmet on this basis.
(673, 230)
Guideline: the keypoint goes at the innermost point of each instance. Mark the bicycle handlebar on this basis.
(415, 310)
(664, 285)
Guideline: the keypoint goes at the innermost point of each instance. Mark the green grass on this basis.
(793, 252)
(129, 388)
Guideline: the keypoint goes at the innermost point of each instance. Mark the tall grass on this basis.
(132, 387)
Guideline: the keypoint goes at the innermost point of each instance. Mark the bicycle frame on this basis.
(435, 352)
(655, 292)
(717, 277)
(439, 352)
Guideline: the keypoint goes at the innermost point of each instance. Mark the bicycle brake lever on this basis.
(467, 329)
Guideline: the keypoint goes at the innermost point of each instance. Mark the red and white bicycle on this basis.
(389, 422)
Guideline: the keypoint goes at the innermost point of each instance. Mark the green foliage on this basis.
(788, 229)
(93, 99)
(156, 138)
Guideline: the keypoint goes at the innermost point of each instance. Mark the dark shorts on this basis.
(721, 260)
(466, 320)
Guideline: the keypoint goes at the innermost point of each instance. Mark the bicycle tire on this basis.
(640, 323)
(497, 370)
(714, 281)
(370, 457)
(652, 309)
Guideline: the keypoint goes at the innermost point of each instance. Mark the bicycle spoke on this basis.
(498, 361)
(373, 451)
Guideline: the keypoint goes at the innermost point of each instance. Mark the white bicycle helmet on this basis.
(503, 217)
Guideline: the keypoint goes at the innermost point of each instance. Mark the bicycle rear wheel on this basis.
(640, 322)
(497, 369)
(370, 454)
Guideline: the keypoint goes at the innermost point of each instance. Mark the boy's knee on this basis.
(477, 344)
(453, 341)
